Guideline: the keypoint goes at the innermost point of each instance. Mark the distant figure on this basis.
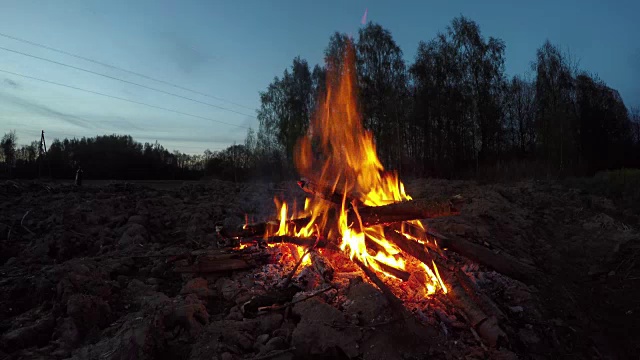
(79, 176)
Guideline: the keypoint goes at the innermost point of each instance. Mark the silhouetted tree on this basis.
(458, 85)
(285, 110)
(335, 50)
(8, 145)
(605, 129)
(556, 119)
(519, 117)
(452, 111)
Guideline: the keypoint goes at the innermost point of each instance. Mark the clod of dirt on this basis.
(36, 332)
(366, 304)
(323, 330)
(134, 337)
(197, 286)
(225, 336)
(88, 312)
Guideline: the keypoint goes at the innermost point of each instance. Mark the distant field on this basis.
(156, 184)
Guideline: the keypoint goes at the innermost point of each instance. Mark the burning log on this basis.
(373, 245)
(405, 211)
(416, 232)
(324, 192)
(369, 215)
(501, 263)
(400, 274)
(410, 247)
(305, 242)
(299, 260)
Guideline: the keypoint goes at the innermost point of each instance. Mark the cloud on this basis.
(11, 83)
(34, 107)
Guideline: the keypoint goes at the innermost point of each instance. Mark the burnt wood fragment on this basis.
(321, 265)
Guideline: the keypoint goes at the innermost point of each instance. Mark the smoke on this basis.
(364, 17)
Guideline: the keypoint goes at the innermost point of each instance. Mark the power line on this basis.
(123, 70)
(124, 81)
(121, 99)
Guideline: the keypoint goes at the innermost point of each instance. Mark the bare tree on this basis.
(8, 145)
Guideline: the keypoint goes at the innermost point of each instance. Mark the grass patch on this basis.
(622, 186)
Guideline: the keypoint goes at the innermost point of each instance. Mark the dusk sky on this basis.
(233, 49)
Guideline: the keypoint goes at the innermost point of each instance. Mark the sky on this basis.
(232, 50)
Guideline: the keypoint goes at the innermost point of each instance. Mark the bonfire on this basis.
(358, 216)
(346, 180)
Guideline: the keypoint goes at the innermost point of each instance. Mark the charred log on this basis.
(215, 265)
(502, 263)
(276, 297)
(478, 296)
(486, 326)
(210, 262)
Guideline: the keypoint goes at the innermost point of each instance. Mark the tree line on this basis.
(452, 112)
(117, 157)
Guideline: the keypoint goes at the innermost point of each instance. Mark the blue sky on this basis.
(233, 50)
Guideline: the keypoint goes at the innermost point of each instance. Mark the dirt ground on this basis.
(84, 275)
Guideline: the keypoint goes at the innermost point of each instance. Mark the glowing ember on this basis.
(338, 152)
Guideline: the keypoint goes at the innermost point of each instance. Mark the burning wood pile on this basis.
(358, 220)
(394, 250)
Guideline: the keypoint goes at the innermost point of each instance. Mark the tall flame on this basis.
(340, 153)
(338, 150)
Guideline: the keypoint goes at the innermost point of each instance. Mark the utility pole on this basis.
(233, 154)
(42, 152)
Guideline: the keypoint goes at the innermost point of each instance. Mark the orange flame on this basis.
(339, 152)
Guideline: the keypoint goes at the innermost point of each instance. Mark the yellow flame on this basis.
(282, 229)
(444, 288)
(307, 258)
